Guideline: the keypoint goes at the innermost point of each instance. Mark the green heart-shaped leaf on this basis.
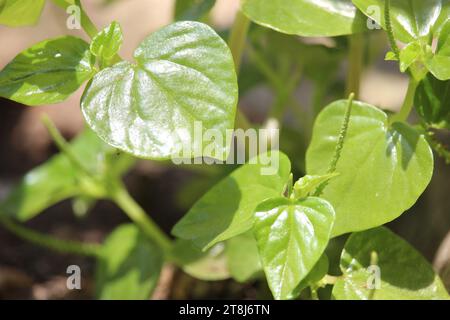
(383, 168)
(227, 209)
(306, 18)
(291, 237)
(184, 76)
(432, 102)
(379, 265)
(411, 19)
(18, 13)
(129, 266)
(48, 72)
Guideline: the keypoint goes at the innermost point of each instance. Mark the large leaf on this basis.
(291, 237)
(17, 13)
(383, 168)
(227, 209)
(48, 72)
(184, 76)
(432, 102)
(306, 17)
(411, 19)
(209, 266)
(403, 272)
(129, 267)
(243, 257)
(59, 179)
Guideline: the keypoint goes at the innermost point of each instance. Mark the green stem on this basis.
(236, 42)
(408, 102)
(43, 240)
(356, 59)
(62, 144)
(86, 23)
(238, 37)
(123, 199)
(314, 295)
(328, 280)
(389, 30)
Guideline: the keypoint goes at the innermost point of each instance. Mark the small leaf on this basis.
(403, 273)
(48, 72)
(409, 55)
(308, 184)
(18, 13)
(383, 168)
(243, 257)
(192, 9)
(227, 209)
(306, 18)
(208, 266)
(439, 63)
(432, 102)
(291, 237)
(391, 56)
(129, 267)
(184, 79)
(106, 44)
(58, 179)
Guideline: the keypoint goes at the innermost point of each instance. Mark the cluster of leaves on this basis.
(363, 168)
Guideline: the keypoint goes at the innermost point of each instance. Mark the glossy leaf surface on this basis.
(291, 237)
(382, 170)
(48, 72)
(411, 19)
(184, 76)
(305, 17)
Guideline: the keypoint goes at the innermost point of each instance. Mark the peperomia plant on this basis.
(362, 168)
